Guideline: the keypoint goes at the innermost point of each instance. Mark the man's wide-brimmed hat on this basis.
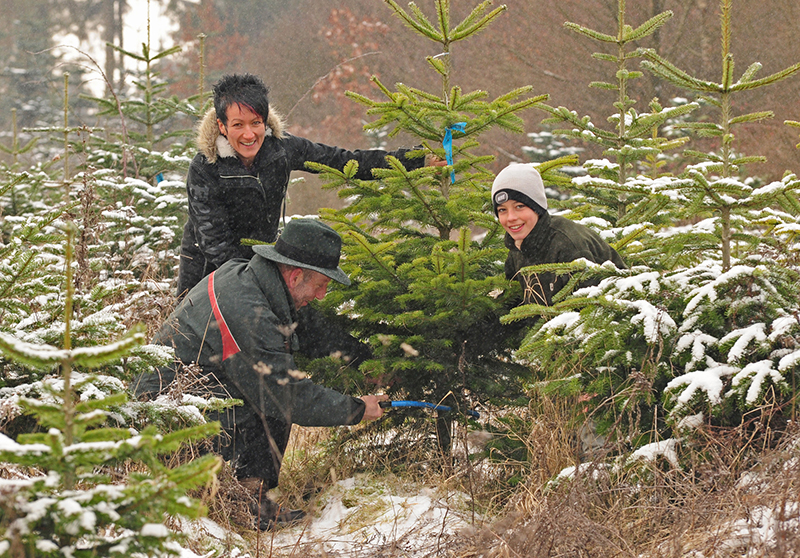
(310, 244)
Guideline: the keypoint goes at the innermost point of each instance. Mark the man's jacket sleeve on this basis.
(264, 371)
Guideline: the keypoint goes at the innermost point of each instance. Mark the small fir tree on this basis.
(614, 194)
(125, 252)
(146, 134)
(421, 246)
(713, 186)
(10, 172)
(69, 506)
(712, 334)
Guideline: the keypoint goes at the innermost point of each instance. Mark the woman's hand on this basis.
(432, 160)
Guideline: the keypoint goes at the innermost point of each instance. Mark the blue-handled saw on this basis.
(423, 404)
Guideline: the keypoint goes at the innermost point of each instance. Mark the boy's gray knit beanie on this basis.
(520, 182)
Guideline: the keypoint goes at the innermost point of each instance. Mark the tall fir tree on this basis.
(422, 247)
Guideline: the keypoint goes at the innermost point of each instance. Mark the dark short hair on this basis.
(240, 89)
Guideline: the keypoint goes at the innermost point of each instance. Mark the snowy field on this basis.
(359, 518)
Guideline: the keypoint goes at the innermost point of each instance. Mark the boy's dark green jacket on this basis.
(554, 239)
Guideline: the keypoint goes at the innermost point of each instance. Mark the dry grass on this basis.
(735, 495)
(738, 497)
(228, 501)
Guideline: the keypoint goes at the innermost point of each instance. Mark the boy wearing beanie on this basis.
(534, 237)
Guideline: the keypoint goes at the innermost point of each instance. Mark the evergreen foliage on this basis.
(148, 139)
(421, 275)
(69, 505)
(704, 324)
(702, 328)
(614, 190)
(91, 476)
(713, 185)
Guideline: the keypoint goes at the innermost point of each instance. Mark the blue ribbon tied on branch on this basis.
(447, 143)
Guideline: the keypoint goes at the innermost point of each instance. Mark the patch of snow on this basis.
(637, 283)
(154, 530)
(414, 523)
(10, 446)
(565, 320)
(691, 422)
(708, 381)
(655, 322)
(698, 341)
(757, 373)
(744, 336)
(650, 452)
(789, 361)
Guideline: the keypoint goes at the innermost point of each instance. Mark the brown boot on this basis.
(268, 514)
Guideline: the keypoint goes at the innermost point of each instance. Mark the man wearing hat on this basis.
(238, 326)
(534, 237)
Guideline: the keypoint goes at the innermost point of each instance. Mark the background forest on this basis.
(653, 414)
(309, 52)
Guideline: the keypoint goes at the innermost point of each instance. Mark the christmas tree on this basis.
(422, 248)
(703, 326)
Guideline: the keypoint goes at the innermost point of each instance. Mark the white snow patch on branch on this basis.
(637, 283)
(789, 361)
(782, 326)
(655, 321)
(744, 336)
(756, 372)
(709, 290)
(565, 320)
(708, 381)
(10, 446)
(154, 530)
(649, 452)
(698, 341)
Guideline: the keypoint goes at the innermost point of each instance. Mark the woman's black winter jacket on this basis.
(229, 202)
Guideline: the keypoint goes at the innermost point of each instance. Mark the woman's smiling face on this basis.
(245, 131)
(517, 219)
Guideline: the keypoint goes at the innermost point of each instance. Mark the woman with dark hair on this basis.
(237, 181)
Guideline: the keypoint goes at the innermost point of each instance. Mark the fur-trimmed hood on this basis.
(212, 144)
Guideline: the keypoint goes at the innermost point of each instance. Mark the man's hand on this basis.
(373, 410)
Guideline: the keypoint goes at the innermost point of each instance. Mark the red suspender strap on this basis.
(229, 345)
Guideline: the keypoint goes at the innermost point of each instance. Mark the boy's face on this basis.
(517, 219)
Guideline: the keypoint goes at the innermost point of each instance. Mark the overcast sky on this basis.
(134, 34)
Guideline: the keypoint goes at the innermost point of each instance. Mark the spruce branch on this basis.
(585, 31)
(774, 78)
(421, 24)
(374, 251)
(443, 14)
(666, 69)
(476, 22)
(648, 27)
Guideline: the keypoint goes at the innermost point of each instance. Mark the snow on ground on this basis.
(361, 517)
